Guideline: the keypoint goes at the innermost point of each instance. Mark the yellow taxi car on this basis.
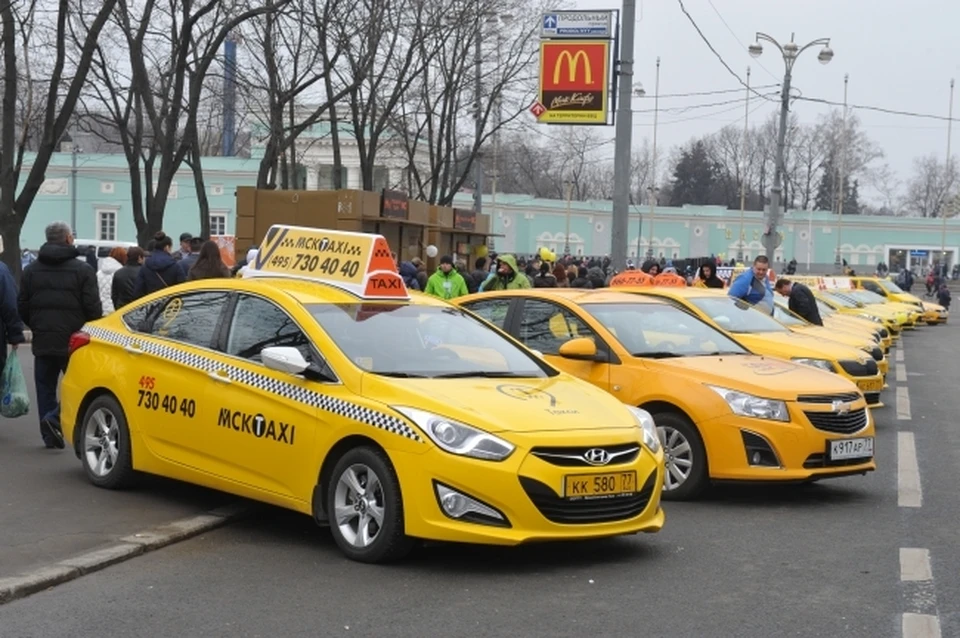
(872, 300)
(723, 414)
(319, 385)
(890, 319)
(869, 325)
(762, 334)
(798, 324)
(888, 290)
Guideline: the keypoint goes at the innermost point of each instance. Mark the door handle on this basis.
(221, 376)
(133, 348)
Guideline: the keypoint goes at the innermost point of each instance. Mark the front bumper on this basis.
(506, 486)
(800, 449)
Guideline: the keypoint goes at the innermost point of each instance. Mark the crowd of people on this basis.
(62, 289)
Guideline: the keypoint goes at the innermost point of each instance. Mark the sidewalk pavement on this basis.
(50, 512)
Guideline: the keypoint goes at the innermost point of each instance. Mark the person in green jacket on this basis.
(507, 277)
(446, 283)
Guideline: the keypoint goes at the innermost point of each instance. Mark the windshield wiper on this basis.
(401, 375)
(720, 353)
(663, 354)
(480, 373)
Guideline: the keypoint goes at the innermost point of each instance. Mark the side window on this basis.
(138, 318)
(258, 324)
(546, 327)
(874, 287)
(191, 318)
(492, 311)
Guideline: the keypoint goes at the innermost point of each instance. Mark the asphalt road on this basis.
(818, 560)
(49, 511)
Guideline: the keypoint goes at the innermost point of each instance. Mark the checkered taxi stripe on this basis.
(262, 382)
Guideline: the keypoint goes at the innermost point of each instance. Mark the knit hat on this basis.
(446, 259)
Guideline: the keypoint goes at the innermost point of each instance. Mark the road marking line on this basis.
(899, 355)
(901, 372)
(915, 564)
(903, 403)
(909, 492)
(920, 626)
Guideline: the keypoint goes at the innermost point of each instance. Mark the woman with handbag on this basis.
(159, 270)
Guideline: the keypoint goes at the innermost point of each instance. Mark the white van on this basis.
(103, 247)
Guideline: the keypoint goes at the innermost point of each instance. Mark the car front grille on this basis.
(847, 423)
(602, 510)
(577, 456)
(828, 398)
(873, 398)
(884, 333)
(857, 369)
(877, 353)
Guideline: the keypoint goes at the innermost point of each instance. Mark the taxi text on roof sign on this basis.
(359, 263)
(825, 283)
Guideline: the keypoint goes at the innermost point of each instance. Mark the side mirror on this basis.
(284, 359)
(582, 349)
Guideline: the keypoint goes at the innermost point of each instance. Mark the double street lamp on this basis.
(790, 52)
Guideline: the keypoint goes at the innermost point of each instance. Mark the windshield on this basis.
(889, 286)
(655, 330)
(786, 317)
(734, 315)
(866, 296)
(825, 310)
(422, 341)
(840, 300)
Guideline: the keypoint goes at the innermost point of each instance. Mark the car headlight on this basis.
(823, 364)
(647, 427)
(458, 438)
(872, 318)
(748, 405)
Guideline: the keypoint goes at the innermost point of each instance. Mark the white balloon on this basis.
(432, 251)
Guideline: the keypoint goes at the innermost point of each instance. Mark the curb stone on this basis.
(15, 587)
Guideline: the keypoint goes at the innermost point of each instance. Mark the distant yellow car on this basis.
(931, 313)
(762, 334)
(890, 319)
(873, 300)
(869, 325)
(859, 341)
(319, 385)
(722, 413)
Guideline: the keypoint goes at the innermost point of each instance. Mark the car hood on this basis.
(506, 405)
(838, 336)
(761, 376)
(792, 344)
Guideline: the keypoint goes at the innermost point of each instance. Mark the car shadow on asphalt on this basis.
(819, 495)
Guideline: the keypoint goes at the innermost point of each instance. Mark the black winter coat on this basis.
(804, 304)
(124, 279)
(158, 271)
(58, 294)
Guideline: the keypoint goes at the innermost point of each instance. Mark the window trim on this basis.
(507, 320)
(603, 348)
(225, 214)
(98, 213)
(224, 332)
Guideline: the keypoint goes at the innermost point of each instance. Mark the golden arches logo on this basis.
(573, 63)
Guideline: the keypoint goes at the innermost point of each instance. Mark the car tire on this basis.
(353, 508)
(105, 445)
(686, 475)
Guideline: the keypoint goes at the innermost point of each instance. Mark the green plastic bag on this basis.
(15, 401)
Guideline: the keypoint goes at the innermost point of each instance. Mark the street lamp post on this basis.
(653, 187)
(566, 237)
(949, 174)
(743, 170)
(790, 52)
(477, 121)
(841, 192)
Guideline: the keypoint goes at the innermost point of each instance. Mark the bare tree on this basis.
(930, 187)
(55, 96)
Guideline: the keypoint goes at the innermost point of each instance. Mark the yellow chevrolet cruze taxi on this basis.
(798, 324)
(318, 384)
(892, 320)
(762, 334)
(723, 414)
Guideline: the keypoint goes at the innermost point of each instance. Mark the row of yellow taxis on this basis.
(318, 383)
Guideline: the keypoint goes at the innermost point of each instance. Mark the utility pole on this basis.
(943, 207)
(624, 138)
(477, 122)
(790, 52)
(73, 189)
(743, 170)
(654, 192)
(841, 168)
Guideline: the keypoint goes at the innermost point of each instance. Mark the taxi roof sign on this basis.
(631, 278)
(359, 263)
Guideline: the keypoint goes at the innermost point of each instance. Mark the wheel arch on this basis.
(657, 406)
(88, 398)
(341, 447)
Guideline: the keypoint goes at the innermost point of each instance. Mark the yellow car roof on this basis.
(576, 295)
(680, 293)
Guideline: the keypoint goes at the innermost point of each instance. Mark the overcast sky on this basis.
(899, 54)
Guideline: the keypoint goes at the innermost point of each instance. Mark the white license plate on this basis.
(851, 449)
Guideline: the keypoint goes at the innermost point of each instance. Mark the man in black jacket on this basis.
(58, 295)
(802, 300)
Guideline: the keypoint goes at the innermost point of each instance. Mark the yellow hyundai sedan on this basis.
(762, 334)
(723, 414)
(319, 385)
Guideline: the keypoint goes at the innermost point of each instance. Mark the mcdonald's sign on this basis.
(574, 81)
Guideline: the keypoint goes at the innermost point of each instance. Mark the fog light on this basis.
(757, 458)
(759, 451)
(461, 507)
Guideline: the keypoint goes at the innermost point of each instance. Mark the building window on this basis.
(325, 179)
(218, 224)
(107, 225)
(381, 178)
